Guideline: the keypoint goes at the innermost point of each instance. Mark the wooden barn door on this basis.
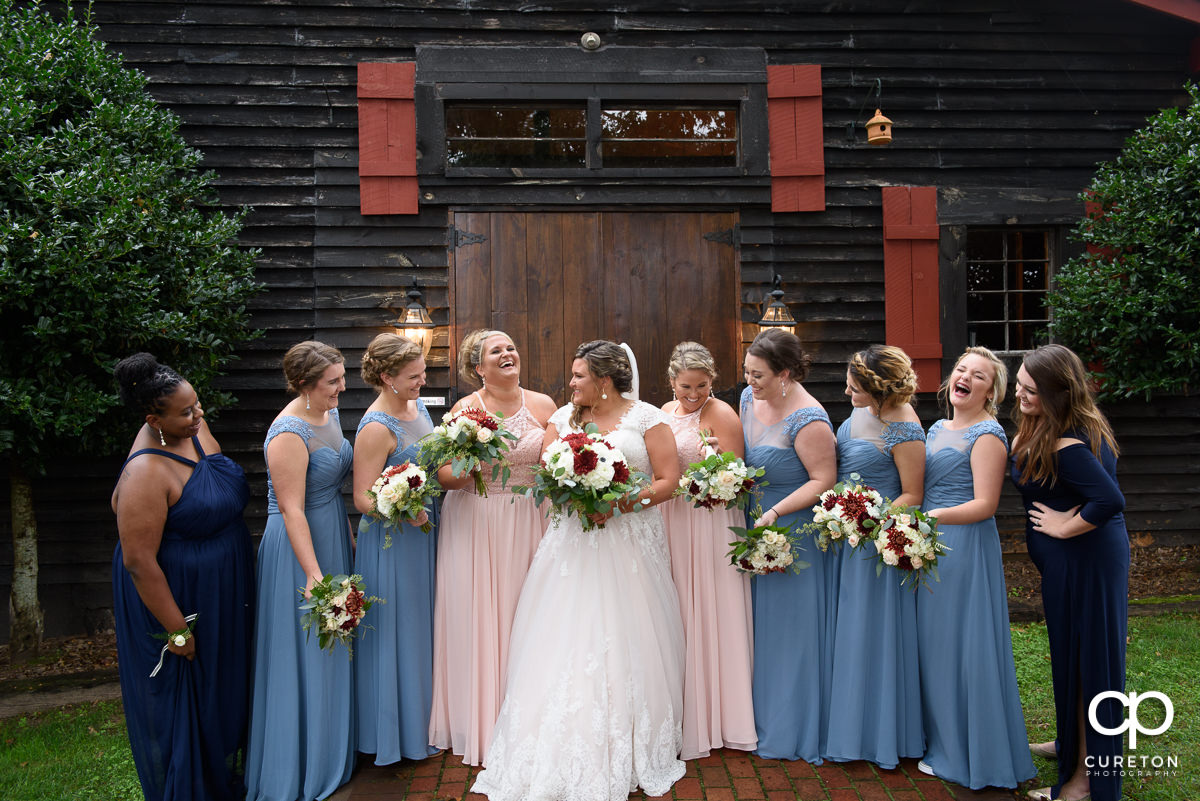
(555, 280)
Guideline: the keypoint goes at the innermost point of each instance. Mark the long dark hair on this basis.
(604, 359)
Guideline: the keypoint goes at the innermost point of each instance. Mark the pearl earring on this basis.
(307, 403)
(783, 388)
(161, 439)
(603, 396)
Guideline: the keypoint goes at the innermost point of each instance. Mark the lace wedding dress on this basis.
(593, 704)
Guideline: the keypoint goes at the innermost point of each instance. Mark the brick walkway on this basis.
(725, 776)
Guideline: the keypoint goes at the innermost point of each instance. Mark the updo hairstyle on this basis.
(781, 351)
(470, 354)
(304, 363)
(144, 384)
(691, 356)
(886, 374)
(386, 355)
(604, 360)
(999, 379)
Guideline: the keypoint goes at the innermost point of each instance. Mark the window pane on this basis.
(1008, 275)
(985, 306)
(647, 137)
(985, 246)
(982, 275)
(515, 136)
(989, 335)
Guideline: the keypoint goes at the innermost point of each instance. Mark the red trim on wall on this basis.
(796, 131)
(387, 138)
(910, 264)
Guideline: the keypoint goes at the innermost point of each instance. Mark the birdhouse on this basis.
(879, 129)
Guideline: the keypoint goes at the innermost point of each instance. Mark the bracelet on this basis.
(776, 511)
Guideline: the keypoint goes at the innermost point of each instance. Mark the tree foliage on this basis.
(1130, 306)
(109, 239)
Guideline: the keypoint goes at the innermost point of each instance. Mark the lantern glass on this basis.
(777, 315)
(417, 325)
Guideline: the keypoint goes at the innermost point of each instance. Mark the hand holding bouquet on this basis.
(399, 494)
(720, 479)
(908, 540)
(466, 441)
(763, 549)
(850, 512)
(583, 474)
(336, 610)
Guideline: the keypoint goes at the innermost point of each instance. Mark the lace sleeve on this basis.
(984, 427)
(802, 417)
(900, 431)
(289, 424)
(747, 399)
(561, 419)
(644, 416)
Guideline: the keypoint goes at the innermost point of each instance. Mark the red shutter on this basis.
(387, 138)
(796, 133)
(910, 266)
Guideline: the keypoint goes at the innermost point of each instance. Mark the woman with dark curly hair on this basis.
(183, 592)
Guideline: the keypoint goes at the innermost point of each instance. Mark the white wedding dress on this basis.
(593, 705)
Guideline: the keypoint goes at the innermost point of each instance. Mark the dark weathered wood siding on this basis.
(1005, 107)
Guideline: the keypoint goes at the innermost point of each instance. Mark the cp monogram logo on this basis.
(1131, 723)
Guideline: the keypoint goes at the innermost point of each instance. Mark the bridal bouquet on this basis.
(850, 512)
(908, 540)
(720, 479)
(399, 494)
(467, 440)
(336, 610)
(583, 474)
(763, 549)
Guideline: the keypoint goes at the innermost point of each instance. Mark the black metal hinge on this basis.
(726, 237)
(466, 238)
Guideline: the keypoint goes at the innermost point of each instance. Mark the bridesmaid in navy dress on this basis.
(393, 663)
(789, 434)
(184, 551)
(876, 683)
(974, 727)
(1064, 462)
(302, 733)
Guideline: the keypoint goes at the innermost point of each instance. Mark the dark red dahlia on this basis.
(620, 473)
(414, 481)
(585, 462)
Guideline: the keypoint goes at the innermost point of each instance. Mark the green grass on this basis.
(1162, 654)
(79, 753)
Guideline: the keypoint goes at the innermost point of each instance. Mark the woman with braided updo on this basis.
(394, 665)
(788, 434)
(875, 674)
(485, 545)
(183, 592)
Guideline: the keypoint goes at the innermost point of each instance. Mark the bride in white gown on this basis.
(593, 705)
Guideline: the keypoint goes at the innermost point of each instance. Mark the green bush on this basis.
(1131, 305)
(108, 241)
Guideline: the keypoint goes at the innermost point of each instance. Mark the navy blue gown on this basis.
(1085, 592)
(302, 732)
(793, 663)
(393, 662)
(876, 681)
(187, 725)
(974, 726)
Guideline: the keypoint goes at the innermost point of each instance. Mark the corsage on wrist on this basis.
(177, 638)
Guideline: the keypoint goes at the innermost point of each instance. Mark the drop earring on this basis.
(392, 387)
(161, 439)
(307, 403)
(783, 388)
(603, 396)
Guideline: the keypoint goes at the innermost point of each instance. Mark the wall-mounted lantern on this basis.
(414, 322)
(776, 313)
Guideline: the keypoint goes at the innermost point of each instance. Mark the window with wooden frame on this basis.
(590, 135)
(1008, 274)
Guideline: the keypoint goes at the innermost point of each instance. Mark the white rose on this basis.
(484, 435)
(853, 540)
(916, 562)
(889, 557)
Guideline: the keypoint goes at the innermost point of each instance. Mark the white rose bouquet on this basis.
(584, 474)
(908, 540)
(720, 479)
(763, 549)
(336, 610)
(467, 441)
(400, 494)
(850, 513)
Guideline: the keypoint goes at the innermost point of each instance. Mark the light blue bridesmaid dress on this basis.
(876, 682)
(393, 661)
(974, 727)
(302, 715)
(792, 612)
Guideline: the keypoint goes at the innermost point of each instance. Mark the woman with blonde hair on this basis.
(974, 727)
(302, 733)
(1064, 462)
(393, 663)
(485, 546)
(714, 597)
(876, 682)
(788, 434)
